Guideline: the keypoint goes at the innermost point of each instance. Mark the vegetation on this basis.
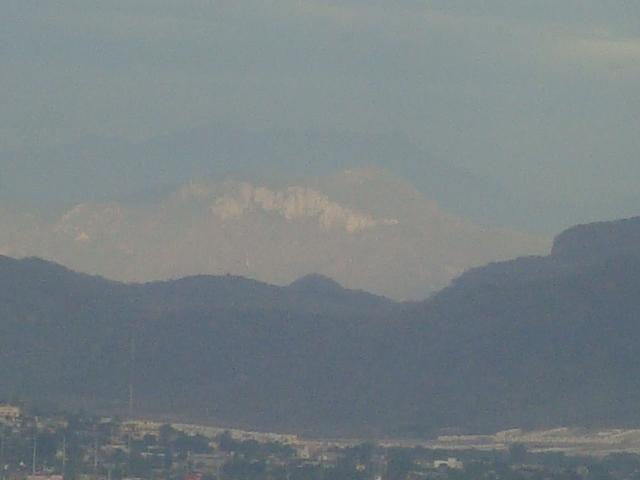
(82, 446)
(534, 342)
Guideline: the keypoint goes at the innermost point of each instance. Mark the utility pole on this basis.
(132, 360)
(2, 455)
(35, 450)
(64, 455)
(95, 451)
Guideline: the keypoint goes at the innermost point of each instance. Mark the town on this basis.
(37, 445)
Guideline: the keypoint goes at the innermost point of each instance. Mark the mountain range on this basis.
(363, 227)
(533, 342)
(98, 170)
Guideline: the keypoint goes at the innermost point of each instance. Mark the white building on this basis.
(451, 462)
(137, 429)
(9, 414)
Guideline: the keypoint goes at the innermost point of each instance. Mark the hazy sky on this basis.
(542, 96)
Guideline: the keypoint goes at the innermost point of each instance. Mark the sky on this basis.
(540, 97)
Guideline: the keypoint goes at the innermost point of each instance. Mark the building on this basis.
(451, 462)
(138, 429)
(44, 476)
(10, 414)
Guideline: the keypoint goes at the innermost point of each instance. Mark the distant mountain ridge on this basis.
(576, 248)
(119, 169)
(316, 283)
(533, 342)
(336, 226)
(599, 240)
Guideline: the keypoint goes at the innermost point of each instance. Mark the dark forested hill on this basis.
(226, 348)
(538, 341)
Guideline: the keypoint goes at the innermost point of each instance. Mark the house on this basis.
(10, 414)
(451, 462)
(138, 429)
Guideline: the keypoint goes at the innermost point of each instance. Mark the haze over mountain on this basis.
(538, 341)
(100, 169)
(538, 99)
(363, 227)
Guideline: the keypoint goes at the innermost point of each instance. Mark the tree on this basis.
(517, 453)
(167, 434)
(400, 464)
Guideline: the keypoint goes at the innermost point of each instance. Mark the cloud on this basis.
(507, 32)
(617, 53)
(496, 87)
